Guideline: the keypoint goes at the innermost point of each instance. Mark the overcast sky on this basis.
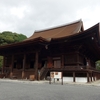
(26, 16)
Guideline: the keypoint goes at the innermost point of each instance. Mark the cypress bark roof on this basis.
(59, 32)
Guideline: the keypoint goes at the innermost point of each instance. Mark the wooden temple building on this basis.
(68, 48)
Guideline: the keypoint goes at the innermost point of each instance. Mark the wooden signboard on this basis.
(56, 75)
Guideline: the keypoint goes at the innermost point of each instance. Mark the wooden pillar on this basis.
(77, 59)
(49, 62)
(88, 77)
(74, 79)
(88, 63)
(3, 64)
(62, 77)
(95, 76)
(36, 66)
(62, 61)
(23, 70)
(11, 66)
(91, 76)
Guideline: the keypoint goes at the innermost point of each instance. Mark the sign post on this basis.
(56, 75)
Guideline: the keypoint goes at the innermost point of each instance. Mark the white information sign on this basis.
(56, 75)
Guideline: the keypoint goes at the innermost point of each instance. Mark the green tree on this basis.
(98, 65)
(8, 37)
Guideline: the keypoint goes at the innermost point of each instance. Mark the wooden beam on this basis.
(77, 59)
(88, 77)
(3, 64)
(36, 65)
(62, 61)
(74, 78)
(62, 77)
(24, 62)
(91, 76)
(11, 66)
(49, 62)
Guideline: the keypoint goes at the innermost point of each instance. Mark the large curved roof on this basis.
(59, 32)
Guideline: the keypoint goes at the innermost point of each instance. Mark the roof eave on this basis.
(37, 40)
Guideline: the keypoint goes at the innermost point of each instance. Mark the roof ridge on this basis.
(58, 26)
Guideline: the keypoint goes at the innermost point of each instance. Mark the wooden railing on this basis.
(74, 67)
(71, 67)
(43, 72)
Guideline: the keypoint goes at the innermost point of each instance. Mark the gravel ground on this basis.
(26, 90)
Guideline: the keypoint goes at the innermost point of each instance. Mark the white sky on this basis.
(26, 16)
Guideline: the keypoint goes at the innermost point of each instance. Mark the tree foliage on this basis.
(98, 65)
(8, 37)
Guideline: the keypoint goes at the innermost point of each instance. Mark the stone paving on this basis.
(95, 83)
(42, 90)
